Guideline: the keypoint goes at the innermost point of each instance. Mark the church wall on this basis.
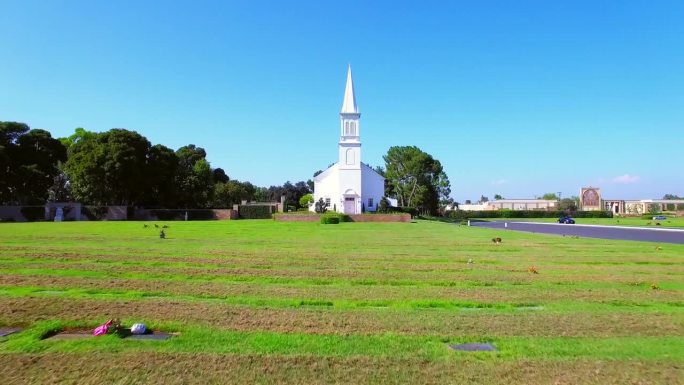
(327, 187)
(373, 187)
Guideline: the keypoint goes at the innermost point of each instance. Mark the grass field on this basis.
(277, 302)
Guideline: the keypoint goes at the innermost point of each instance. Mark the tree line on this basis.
(119, 167)
(122, 167)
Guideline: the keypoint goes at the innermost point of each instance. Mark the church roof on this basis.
(349, 104)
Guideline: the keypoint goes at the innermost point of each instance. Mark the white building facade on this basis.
(349, 186)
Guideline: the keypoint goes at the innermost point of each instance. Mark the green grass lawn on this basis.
(278, 302)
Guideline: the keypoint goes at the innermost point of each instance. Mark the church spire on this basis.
(349, 104)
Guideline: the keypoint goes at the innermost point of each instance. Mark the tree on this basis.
(291, 192)
(306, 200)
(261, 194)
(109, 168)
(568, 204)
(162, 167)
(39, 157)
(29, 162)
(220, 176)
(384, 205)
(550, 196)
(416, 178)
(194, 178)
(232, 192)
(498, 197)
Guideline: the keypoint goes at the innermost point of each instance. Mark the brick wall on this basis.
(355, 218)
(381, 217)
(297, 218)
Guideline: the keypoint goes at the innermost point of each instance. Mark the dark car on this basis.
(659, 218)
(566, 220)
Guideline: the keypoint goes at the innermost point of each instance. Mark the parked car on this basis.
(659, 218)
(566, 220)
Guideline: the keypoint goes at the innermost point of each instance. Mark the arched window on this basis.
(350, 156)
(346, 128)
(352, 129)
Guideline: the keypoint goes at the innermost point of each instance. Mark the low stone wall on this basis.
(179, 214)
(381, 217)
(11, 214)
(297, 218)
(354, 218)
(225, 214)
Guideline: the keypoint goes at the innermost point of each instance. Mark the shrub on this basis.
(337, 218)
(255, 212)
(33, 213)
(330, 219)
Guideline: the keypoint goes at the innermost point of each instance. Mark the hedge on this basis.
(179, 214)
(460, 214)
(334, 218)
(330, 219)
(33, 213)
(255, 212)
(403, 210)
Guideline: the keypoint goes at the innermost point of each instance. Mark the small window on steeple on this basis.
(352, 129)
(346, 128)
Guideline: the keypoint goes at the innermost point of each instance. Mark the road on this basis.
(643, 234)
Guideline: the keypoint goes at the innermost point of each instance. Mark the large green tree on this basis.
(232, 192)
(194, 177)
(162, 168)
(29, 162)
(109, 168)
(415, 178)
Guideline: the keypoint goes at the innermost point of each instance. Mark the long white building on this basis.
(349, 186)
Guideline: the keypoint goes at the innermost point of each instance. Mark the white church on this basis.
(349, 186)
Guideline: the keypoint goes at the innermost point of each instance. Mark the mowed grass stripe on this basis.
(481, 266)
(517, 279)
(204, 340)
(340, 303)
(474, 291)
(322, 320)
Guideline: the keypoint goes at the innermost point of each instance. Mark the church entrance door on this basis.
(349, 206)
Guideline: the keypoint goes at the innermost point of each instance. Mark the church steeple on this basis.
(349, 104)
(350, 115)
(350, 140)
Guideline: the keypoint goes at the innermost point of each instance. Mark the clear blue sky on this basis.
(513, 97)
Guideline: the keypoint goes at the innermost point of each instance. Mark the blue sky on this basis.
(513, 97)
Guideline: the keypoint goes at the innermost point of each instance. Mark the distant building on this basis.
(511, 204)
(525, 204)
(643, 206)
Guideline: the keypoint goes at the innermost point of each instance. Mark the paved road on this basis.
(592, 231)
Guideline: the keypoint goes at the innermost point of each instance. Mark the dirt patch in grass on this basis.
(322, 320)
(172, 368)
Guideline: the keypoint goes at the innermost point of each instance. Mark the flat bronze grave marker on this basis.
(71, 336)
(4, 332)
(474, 347)
(153, 336)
